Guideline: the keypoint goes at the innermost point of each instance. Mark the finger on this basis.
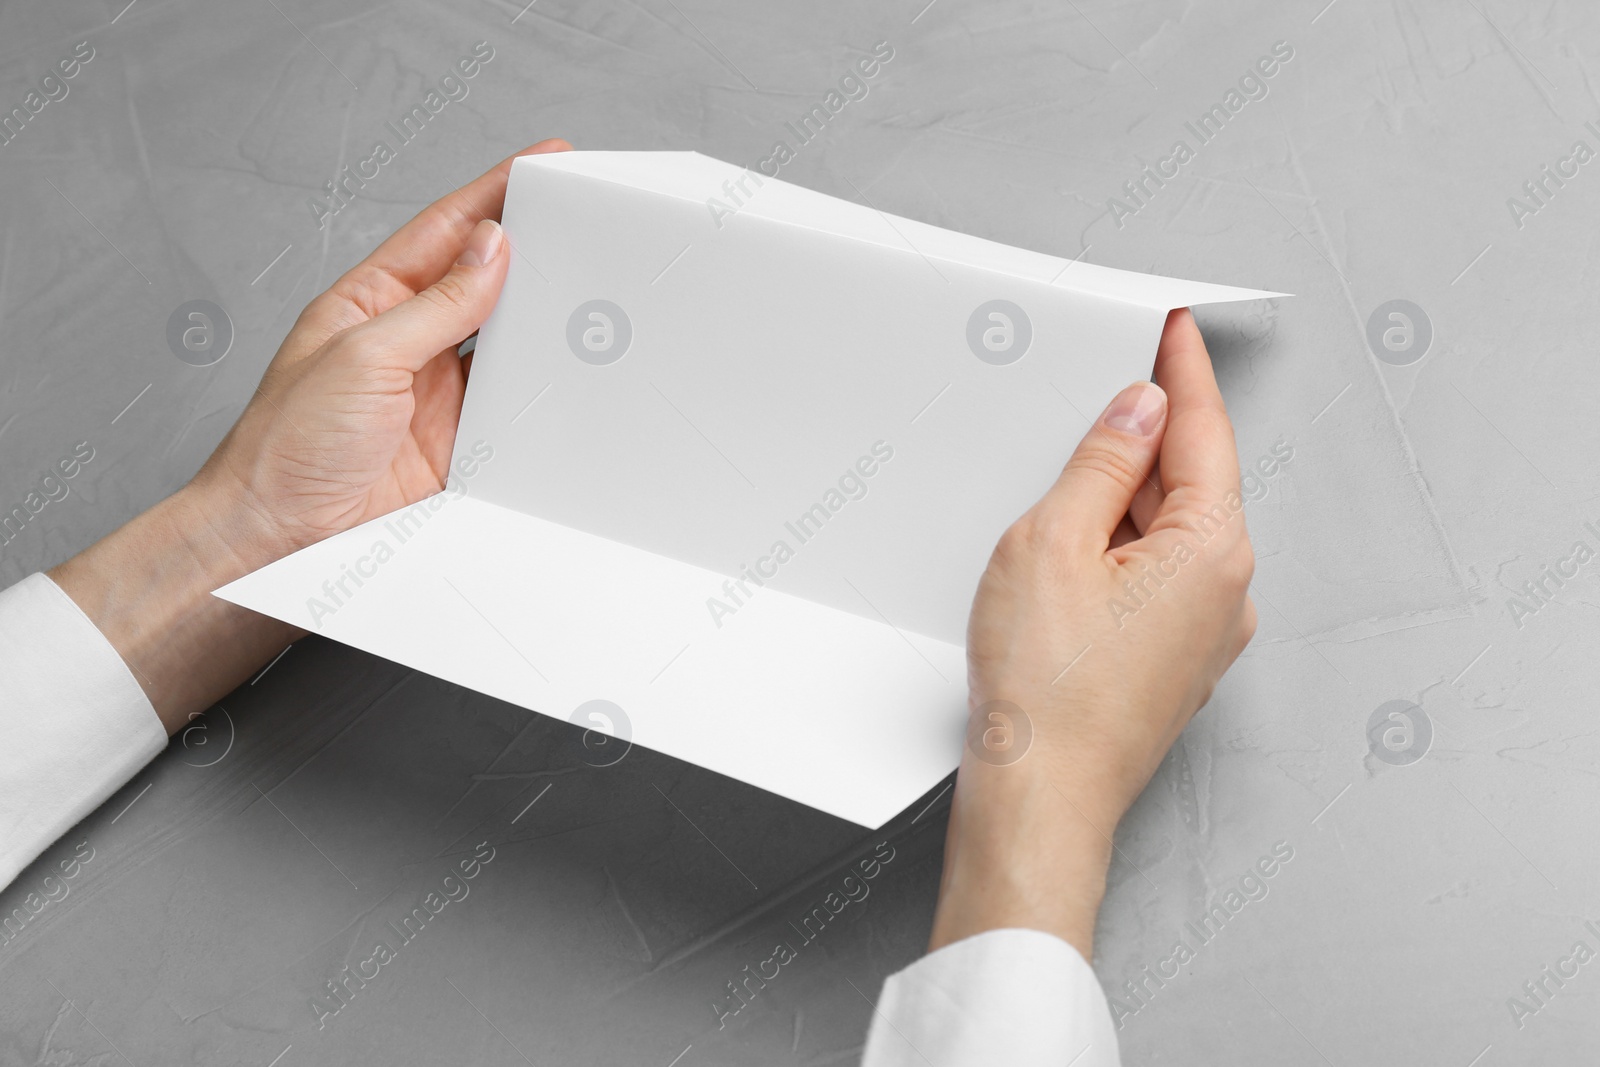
(1199, 463)
(422, 250)
(1147, 501)
(415, 257)
(1125, 533)
(1246, 629)
(440, 317)
(437, 390)
(1097, 487)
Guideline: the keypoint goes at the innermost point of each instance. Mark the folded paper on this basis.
(732, 458)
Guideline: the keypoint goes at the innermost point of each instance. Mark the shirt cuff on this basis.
(1018, 997)
(74, 723)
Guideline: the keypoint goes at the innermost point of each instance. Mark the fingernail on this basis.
(484, 245)
(1137, 409)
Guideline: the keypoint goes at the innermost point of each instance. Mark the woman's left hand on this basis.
(354, 418)
(357, 413)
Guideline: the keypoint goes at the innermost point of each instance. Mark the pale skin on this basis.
(1029, 842)
(356, 416)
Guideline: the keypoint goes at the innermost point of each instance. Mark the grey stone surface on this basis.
(270, 846)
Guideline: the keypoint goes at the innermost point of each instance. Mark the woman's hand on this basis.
(354, 417)
(1105, 618)
(357, 413)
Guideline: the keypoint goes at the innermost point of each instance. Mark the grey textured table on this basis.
(1437, 863)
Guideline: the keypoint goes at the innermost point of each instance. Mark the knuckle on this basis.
(371, 288)
(1034, 534)
(349, 340)
(1247, 624)
(1012, 541)
(450, 294)
(367, 345)
(1110, 462)
(320, 309)
(1017, 543)
(1239, 566)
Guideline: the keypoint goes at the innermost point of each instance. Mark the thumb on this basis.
(444, 314)
(1112, 461)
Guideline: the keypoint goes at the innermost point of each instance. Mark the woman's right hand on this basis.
(1106, 616)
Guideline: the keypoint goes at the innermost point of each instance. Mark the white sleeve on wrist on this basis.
(1023, 998)
(74, 723)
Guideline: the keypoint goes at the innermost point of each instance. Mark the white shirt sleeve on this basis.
(74, 723)
(1023, 998)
